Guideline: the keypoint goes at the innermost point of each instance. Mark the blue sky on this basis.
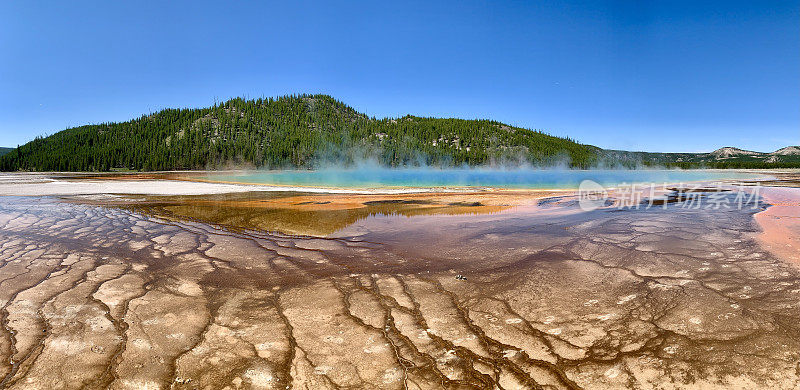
(636, 75)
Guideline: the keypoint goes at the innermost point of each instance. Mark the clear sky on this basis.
(637, 75)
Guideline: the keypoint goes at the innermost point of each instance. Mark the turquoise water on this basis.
(431, 177)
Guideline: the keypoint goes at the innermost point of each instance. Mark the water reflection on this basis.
(309, 214)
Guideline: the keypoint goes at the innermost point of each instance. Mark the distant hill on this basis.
(787, 151)
(308, 131)
(731, 152)
(5, 150)
(726, 157)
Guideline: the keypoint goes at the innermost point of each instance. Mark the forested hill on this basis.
(290, 131)
(5, 150)
(307, 131)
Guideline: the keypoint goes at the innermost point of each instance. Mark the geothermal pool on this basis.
(512, 178)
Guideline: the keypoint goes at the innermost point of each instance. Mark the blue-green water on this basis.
(431, 177)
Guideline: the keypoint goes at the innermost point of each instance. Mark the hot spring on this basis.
(465, 177)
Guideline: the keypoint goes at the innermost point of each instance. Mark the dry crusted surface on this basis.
(98, 297)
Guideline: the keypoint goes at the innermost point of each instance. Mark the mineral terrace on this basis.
(98, 295)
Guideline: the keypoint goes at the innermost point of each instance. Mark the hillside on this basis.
(291, 131)
(788, 151)
(307, 131)
(5, 150)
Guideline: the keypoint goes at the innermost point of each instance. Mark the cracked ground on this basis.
(548, 297)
